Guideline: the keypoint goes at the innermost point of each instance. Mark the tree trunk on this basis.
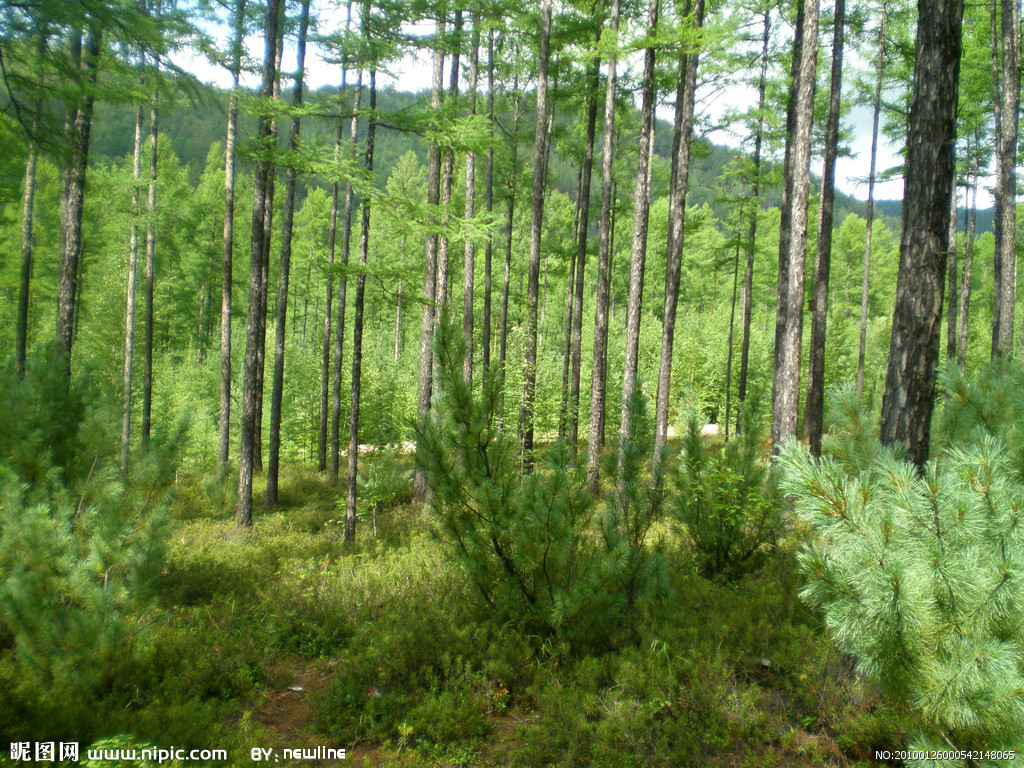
(682, 134)
(953, 279)
(339, 335)
(638, 254)
(503, 339)
(228, 240)
(913, 351)
(968, 268)
(261, 175)
(489, 205)
(815, 413)
(732, 324)
(281, 320)
(129, 313)
(1006, 180)
(469, 248)
(72, 189)
(398, 306)
(598, 370)
(357, 335)
(430, 258)
(793, 225)
(147, 371)
(866, 280)
(755, 188)
(536, 220)
(27, 199)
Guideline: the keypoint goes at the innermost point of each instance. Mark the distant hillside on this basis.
(894, 210)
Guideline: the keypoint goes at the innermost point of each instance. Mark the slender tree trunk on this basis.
(638, 255)
(129, 313)
(597, 377)
(489, 205)
(968, 268)
(913, 351)
(357, 335)
(260, 180)
(281, 320)
(72, 191)
(503, 339)
(953, 279)
(732, 324)
(1006, 182)
(815, 413)
(793, 225)
(430, 258)
(682, 134)
(755, 188)
(27, 199)
(469, 249)
(536, 221)
(228, 240)
(147, 371)
(398, 305)
(339, 335)
(866, 280)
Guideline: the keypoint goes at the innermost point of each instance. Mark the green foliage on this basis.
(919, 575)
(727, 497)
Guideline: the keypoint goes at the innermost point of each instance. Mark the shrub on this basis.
(727, 498)
(921, 575)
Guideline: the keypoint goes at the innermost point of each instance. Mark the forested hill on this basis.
(197, 123)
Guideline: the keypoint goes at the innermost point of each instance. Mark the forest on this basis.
(457, 383)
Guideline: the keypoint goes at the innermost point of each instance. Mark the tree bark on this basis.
(129, 313)
(968, 269)
(27, 200)
(866, 280)
(536, 221)
(913, 351)
(682, 135)
(224, 436)
(953, 305)
(755, 188)
(357, 335)
(638, 251)
(430, 257)
(147, 370)
(469, 248)
(243, 514)
(489, 205)
(793, 225)
(509, 219)
(281, 319)
(815, 413)
(1006, 182)
(598, 370)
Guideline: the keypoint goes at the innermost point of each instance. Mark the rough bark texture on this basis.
(469, 248)
(485, 339)
(339, 334)
(224, 437)
(27, 199)
(243, 514)
(430, 258)
(823, 248)
(683, 131)
(281, 319)
(755, 189)
(793, 225)
(968, 269)
(72, 189)
(147, 368)
(638, 250)
(598, 370)
(1006, 181)
(536, 220)
(866, 279)
(357, 323)
(913, 351)
(953, 282)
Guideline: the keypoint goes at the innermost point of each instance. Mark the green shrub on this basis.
(920, 575)
(727, 497)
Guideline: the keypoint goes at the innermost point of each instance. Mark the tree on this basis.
(638, 251)
(913, 350)
(147, 364)
(469, 248)
(815, 412)
(281, 324)
(129, 314)
(793, 227)
(598, 370)
(261, 179)
(536, 221)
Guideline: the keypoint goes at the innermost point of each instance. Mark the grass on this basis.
(397, 663)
